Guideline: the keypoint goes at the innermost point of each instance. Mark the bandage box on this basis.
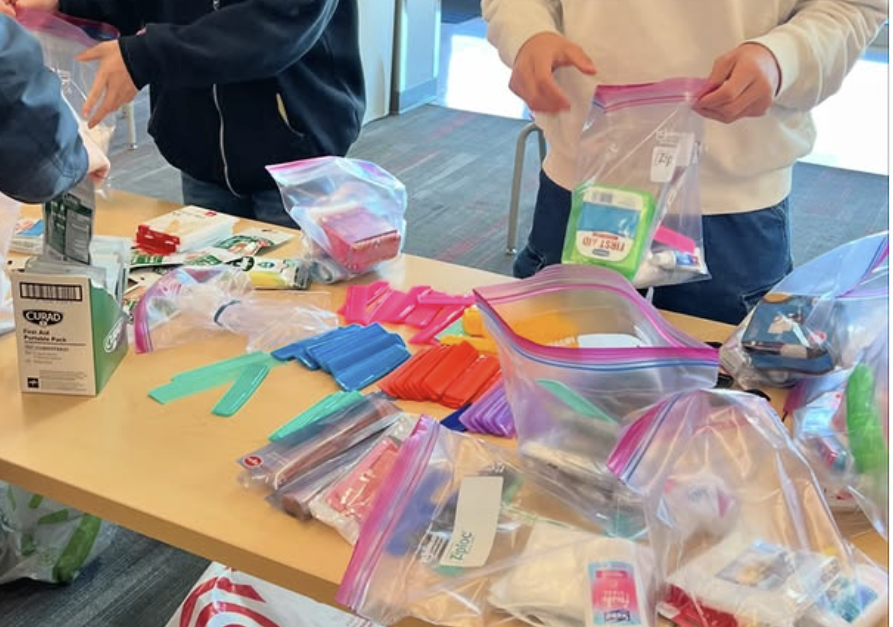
(70, 333)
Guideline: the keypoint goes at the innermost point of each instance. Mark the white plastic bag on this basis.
(44, 540)
(224, 596)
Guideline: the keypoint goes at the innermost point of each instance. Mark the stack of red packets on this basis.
(451, 375)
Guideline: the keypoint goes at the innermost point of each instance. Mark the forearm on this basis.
(246, 41)
(510, 23)
(41, 153)
(819, 45)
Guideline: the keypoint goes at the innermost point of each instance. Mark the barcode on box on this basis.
(42, 291)
(603, 198)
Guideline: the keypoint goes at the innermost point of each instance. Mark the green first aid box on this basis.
(71, 335)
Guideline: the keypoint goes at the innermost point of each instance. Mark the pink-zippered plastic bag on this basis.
(740, 528)
(581, 351)
(636, 206)
(193, 303)
(462, 535)
(62, 39)
(816, 320)
(351, 211)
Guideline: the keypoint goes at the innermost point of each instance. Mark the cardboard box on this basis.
(71, 335)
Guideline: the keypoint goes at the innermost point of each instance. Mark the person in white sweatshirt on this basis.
(768, 63)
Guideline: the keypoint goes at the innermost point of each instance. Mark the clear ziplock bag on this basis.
(44, 540)
(739, 526)
(62, 38)
(636, 208)
(9, 214)
(580, 351)
(277, 463)
(351, 211)
(463, 536)
(192, 303)
(817, 319)
(346, 503)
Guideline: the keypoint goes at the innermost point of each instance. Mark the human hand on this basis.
(98, 164)
(35, 5)
(113, 86)
(742, 84)
(537, 59)
(7, 9)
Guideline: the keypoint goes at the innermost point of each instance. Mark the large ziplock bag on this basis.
(581, 350)
(817, 319)
(636, 208)
(192, 303)
(62, 38)
(351, 211)
(226, 596)
(738, 523)
(9, 214)
(461, 535)
(44, 540)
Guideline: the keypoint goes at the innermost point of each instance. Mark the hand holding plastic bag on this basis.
(636, 207)
(192, 303)
(62, 39)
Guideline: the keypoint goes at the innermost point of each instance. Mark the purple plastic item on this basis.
(490, 414)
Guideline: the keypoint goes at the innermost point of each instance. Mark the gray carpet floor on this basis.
(457, 168)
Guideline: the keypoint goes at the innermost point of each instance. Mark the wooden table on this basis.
(169, 472)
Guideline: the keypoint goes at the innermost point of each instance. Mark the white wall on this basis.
(417, 59)
(377, 49)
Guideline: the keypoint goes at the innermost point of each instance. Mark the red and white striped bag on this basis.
(224, 597)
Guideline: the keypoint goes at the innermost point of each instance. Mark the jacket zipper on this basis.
(216, 6)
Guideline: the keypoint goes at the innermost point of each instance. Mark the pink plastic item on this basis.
(444, 318)
(675, 240)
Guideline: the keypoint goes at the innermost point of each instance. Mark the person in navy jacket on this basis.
(235, 85)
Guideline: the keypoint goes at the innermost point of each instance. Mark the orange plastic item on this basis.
(453, 363)
(470, 382)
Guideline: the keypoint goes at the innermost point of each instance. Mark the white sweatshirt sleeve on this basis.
(819, 44)
(510, 23)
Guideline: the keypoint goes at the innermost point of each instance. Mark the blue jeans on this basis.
(265, 206)
(746, 254)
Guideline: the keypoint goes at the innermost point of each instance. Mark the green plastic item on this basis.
(241, 390)
(609, 227)
(863, 421)
(328, 405)
(209, 377)
(573, 400)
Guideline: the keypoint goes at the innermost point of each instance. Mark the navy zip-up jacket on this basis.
(41, 153)
(236, 85)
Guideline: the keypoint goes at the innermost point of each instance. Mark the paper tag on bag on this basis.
(477, 516)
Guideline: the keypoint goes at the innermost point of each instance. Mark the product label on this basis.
(762, 567)
(608, 223)
(54, 334)
(477, 516)
(612, 594)
(68, 222)
(847, 599)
